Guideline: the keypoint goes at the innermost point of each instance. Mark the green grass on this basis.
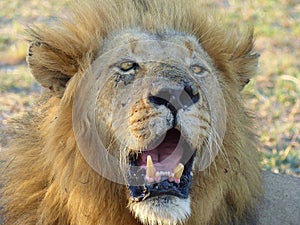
(274, 94)
(14, 78)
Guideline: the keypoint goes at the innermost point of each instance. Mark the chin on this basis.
(161, 210)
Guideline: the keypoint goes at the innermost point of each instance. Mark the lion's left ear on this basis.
(245, 60)
(247, 68)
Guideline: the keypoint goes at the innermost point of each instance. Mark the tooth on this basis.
(150, 179)
(178, 171)
(150, 169)
(157, 177)
(171, 177)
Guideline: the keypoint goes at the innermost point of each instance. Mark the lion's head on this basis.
(160, 118)
(144, 101)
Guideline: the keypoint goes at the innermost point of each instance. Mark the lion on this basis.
(141, 120)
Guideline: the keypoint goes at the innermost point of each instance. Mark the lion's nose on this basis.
(176, 98)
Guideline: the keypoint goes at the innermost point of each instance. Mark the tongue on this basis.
(167, 155)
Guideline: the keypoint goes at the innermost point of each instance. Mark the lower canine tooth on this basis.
(157, 177)
(150, 179)
(150, 169)
(171, 179)
(178, 171)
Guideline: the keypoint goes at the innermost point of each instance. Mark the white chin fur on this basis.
(162, 210)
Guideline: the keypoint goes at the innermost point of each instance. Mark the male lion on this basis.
(141, 121)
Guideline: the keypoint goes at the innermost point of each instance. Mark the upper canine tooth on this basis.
(150, 169)
(178, 171)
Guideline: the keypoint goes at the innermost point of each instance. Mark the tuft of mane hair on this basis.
(46, 181)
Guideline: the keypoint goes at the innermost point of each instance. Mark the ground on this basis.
(273, 95)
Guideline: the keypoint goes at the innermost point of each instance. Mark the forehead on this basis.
(144, 46)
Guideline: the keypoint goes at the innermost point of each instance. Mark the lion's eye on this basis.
(126, 66)
(197, 69)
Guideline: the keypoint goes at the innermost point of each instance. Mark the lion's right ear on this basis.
(50, 66)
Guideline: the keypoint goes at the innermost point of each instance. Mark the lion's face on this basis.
(153, 100)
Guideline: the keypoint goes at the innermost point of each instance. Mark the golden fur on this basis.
(46, 180)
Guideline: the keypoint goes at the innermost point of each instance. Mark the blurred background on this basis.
(273, 95)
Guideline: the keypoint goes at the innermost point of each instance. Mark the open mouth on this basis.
(164, 170)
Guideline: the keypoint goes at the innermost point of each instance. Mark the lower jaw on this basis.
(166, 209)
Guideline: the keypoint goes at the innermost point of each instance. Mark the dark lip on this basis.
(140, 190)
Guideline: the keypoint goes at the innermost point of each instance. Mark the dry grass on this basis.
(274, 95)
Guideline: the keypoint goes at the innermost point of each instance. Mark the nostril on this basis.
(176, 99)
(158, 100)
(190, 95)
(163, 101)
(190, 89)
